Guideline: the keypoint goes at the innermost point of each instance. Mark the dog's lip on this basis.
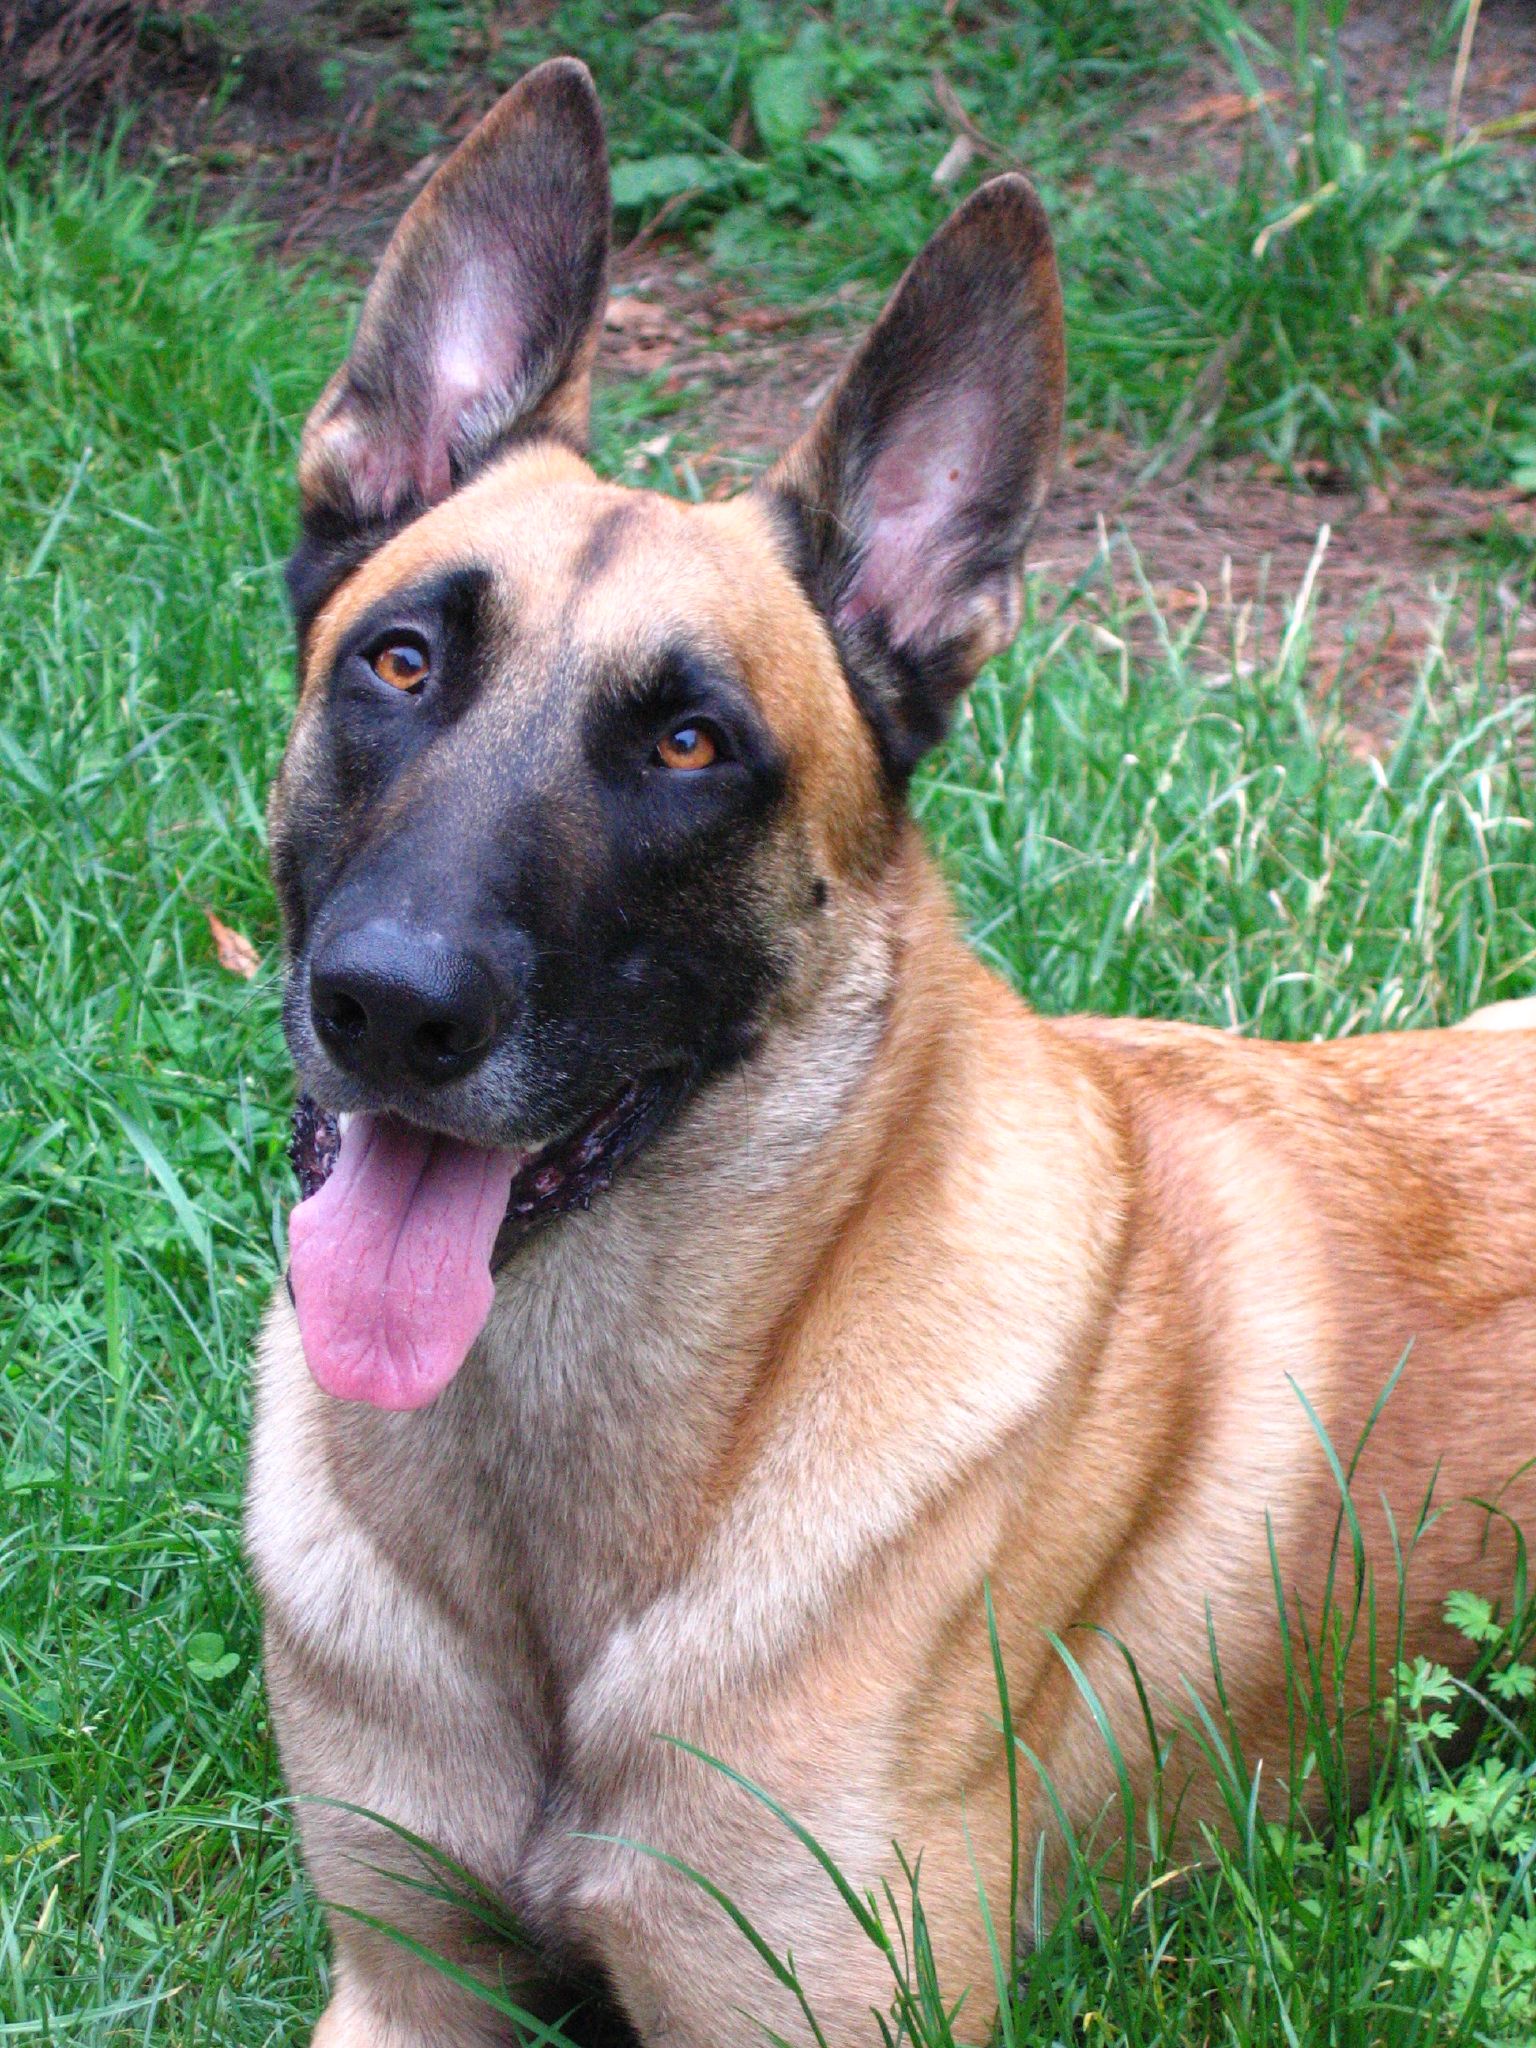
(565, 1172)
(571, 1171)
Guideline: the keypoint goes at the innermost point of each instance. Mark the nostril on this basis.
(343, 1016)
(443, 1040)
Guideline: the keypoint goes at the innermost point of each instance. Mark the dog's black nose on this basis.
(390, 1002)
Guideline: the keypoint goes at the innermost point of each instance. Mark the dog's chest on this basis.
(582, 1451)
(476, 1564)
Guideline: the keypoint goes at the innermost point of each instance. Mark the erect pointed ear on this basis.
(481, 323)
(912, 494)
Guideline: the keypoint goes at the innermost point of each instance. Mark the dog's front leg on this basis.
(384, 1993)
(393, 1723)
(397, 2002)
(385, 1997)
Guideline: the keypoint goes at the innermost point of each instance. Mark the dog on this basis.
(725, 1285)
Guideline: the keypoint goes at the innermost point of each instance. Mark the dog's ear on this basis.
(911, 496)
(481, 324)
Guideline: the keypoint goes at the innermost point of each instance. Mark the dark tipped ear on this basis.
(912, 494)
(481, 324)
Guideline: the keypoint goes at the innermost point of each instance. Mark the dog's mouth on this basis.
(393, 1247)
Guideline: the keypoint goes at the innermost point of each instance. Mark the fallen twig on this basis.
(1459, 75)
(949, 106)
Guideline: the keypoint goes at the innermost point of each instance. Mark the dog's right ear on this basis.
(909, 499)
(479, 328)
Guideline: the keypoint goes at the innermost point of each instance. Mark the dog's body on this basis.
(907, 1294)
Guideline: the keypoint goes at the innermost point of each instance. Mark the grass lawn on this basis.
(1134, 818)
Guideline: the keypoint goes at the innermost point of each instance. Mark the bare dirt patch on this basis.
(1386, 570)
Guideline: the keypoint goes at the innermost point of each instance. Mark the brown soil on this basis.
(1393, 584)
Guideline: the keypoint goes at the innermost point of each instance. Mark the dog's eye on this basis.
(403, 664)
(687, 746)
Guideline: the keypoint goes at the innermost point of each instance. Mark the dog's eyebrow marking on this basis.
(601, 544)
(682, 676)
(452, 596)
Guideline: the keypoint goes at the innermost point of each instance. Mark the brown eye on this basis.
(690, 746)
(401, 664)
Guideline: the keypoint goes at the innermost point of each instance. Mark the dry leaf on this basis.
(235, 952)
(960, 122)
(1222, 107)
(954, 163)
(764, 319)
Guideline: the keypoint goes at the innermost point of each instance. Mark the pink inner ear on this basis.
(459, 377)
(918, 485)
(473, 358)
(477, 353)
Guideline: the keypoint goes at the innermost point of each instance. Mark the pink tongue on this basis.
(390, 1262)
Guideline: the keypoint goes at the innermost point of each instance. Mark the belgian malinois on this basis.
(724, 1280)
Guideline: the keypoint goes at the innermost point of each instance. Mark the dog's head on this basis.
(581, 775)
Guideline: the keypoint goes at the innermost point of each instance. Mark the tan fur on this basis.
(988, 1299)
(931, 1295)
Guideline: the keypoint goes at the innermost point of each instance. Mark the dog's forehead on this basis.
(614, 574)
(619, 579)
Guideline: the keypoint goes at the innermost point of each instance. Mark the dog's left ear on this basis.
(911, 496)
(481, 324)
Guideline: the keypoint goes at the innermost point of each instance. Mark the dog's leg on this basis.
(354, 2020)
(415, 1771)
(408, 2005)
(387, 1994)
(385, 1997)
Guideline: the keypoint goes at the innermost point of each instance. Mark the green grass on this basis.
(1160, 832)
(1173, 837)
(1350, 293)
(151, 381)
(1354, 296)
